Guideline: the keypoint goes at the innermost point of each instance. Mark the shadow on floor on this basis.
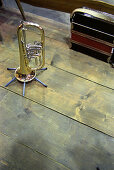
(22, 157)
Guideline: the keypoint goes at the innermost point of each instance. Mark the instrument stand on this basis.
(24, 83)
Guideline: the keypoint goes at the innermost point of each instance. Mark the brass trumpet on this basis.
(28, 52)
(25, 73)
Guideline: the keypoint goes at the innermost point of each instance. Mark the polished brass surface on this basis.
(25, 78)
(25, 73)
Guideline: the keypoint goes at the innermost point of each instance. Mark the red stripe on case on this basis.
(91, 43)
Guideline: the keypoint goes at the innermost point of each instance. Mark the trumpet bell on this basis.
(25, 77)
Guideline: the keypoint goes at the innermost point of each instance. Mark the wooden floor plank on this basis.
(57, 49)
(66, 141)
(72, 96)
(15, 156)
(68, 90)
(82, 65)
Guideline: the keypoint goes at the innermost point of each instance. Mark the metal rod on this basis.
(10, 81)
(43, 68)
(11, 68)
(21, 9)
(24, 88)
(40, 82)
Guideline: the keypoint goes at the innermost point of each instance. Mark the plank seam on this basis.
(62, 114)
(82, 77)
(33, 150)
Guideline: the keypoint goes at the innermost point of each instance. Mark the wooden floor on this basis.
(70, 124)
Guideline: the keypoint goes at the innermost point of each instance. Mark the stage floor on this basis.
(69, 124)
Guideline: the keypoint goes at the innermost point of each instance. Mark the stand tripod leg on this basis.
(40, 82)
(43, 68)
(24, 88)
(10, 81)
(21, 9)
(11, 68)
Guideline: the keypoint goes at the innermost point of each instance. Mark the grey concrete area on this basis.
(52, 14)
